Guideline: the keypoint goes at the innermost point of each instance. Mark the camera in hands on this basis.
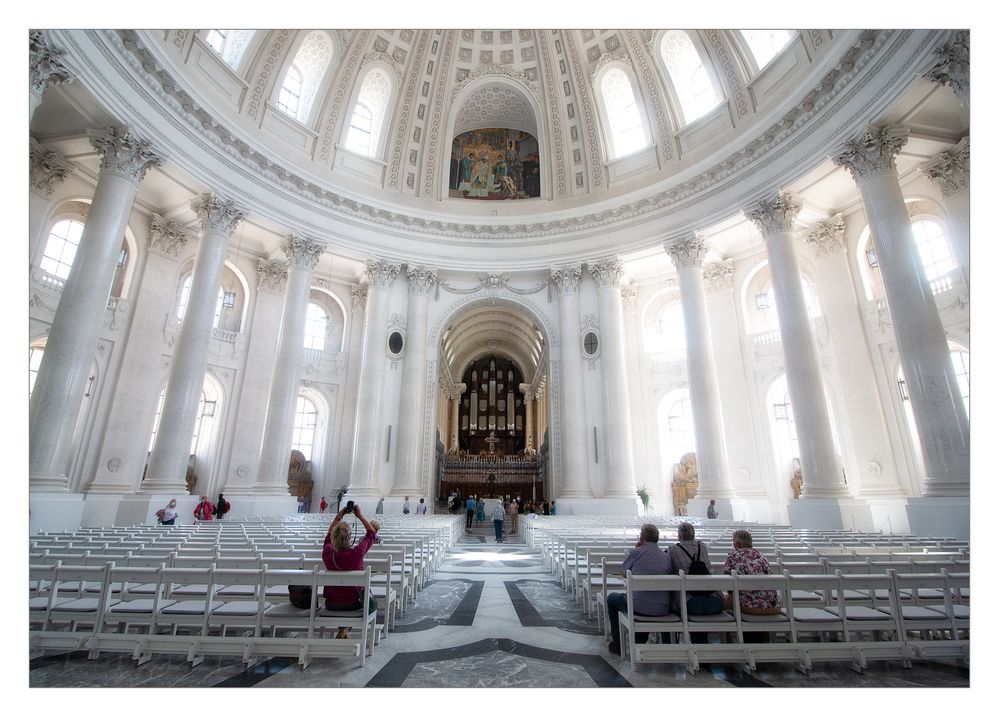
(349, 508)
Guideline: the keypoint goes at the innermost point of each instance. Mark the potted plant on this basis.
(644, 495)
(341, 492)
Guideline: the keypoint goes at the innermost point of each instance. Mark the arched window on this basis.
(35, 352)
(670, 328)
(690, 78)
(625, 127)
(962, 367)
(185, 294)
(770, 310)
(303, 435)
(305, 75)
(934, 250)
(229, 44)
(317, 323)
(676, 430)
(369, 113)
(765, 45)
(784, 430)
(118, 283)
(197, 423)
(60, 249)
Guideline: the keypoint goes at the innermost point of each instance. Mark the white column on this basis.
(368, 429)
(455, 417)
(272, 476)
(348, 407)
(541, 406)
(72, 340)
(575, 476)
(951, 171)
(412, 403)
(529, 439)
(45, 67)
(168, 460)
(688, 254)
(820, 470)
(619, 464)
(941, 420)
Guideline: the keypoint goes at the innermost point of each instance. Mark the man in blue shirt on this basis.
(646, 559)
(469, 513)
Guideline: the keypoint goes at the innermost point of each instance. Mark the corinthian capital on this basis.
(166, 238)
(382, 273)
(773, 216)
(45, 63)
(217, 214)
(608, 272)
(566, 279)
(47, 168)
(687, 252)
(953, 67)
(302, 251)
(826, 237)
(950, 169)
(422, 279)
(123, 154)
(272, 275)
(873, 152)
(629, 296)
(718, 276)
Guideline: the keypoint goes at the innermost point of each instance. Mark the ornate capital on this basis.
(566, 279)
(45, 63)
(873, 152)
(607, 273)
(123, 154)
(687, 252)
(381, 273)
(773, 216)
(48, 168)
(217, 214)
(950, 169)
(826, 237)
(629, 295)
(718, 276)
(166, 238)
(422, 279)
(953, 67)
(272, 275)
(302, 251)
(358, 296)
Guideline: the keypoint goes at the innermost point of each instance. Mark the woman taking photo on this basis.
(340, 555)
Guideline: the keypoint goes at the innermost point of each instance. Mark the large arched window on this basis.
(229, 44)
(202, 403)
(305, 74)
(765, 45)
(369, 113)
(303, 435)
(784, 431)
(625, 128)
(675, 419)
(60, 249)
(936, 256)
(690, 77)
(934, 250)
(670, 328)
(317, 324)
(185, 294)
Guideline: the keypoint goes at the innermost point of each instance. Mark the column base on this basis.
(48, 483)
(141, 509)
(889, 515)
(940, 517)
(830, 514)
(759, 510)
(174, 488)
(599, 506)
(54, 511)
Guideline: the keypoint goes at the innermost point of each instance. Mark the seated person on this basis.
(340, 555)
(744, 559)
(645, 559)
(680, 556)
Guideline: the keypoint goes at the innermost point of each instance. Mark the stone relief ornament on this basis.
(773, 216)
(45, 63)
(123, 154)
(718, 276)
(950, 169)
(114, 465)
(272, 275)
(826, 237)
(873, 152)
(166, 238)
(953, 67)
(48, 168)
(242, 470)
(358, 296)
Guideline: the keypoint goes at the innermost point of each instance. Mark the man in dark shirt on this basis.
(646, 559)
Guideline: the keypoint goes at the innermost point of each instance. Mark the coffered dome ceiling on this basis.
(221, 129)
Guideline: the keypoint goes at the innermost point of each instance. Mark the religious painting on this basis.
(495, 163)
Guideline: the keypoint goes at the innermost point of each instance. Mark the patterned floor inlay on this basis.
(543, 603)
(451, 601)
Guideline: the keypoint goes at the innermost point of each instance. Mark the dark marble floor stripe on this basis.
(737, 677)
(530, 617)
(260, 672)
(464, 614)
(398, 668)
(45, 661)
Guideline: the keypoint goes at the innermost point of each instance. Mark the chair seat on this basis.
(805, 596)
(323, 612)
(780, 617)
(669, 617)
(813, 614)
(142, 605)
(42, 603)
(239, 608)
(961, 612)
(191, 607)
(918, 612)
(286, 609)
(719, 617)
(74, 586)
(276, 591)
(859, 612)
(81, 605)
(236, 590)
(143, 589)
(190, 590)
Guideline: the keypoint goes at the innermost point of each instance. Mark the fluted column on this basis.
(688, 254)
(368, 429)
(575, 476)
(452, 441)
(953, 67)
(619, 466)
(272, 476)
(412, 402)
(951, 171)
(529, 439)
(541, 406)
(45, 68)
(820, 470)
(941, 420)
(72, 340)
(168, 460)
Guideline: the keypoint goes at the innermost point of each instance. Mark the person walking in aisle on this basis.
(204, 509)
(380, 508)
(322, 505)
(421, 508)
(469, 513)
(498, 516)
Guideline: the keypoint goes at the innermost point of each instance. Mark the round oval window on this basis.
(590, 343)
(395, 343)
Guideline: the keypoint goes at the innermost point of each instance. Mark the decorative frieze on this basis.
(272, 275)
(687, 252)
(302, 251)
(718, 276)
(953, 67)
(826, 236)
(494, 283)
(422, 279)
(45, 64)
(773, 216)
(167, 238)
(123, 154)
(566, 279)
(950, 169)
(607, 273)
(873, 152)
(48, 168)
(381, 273)
(218, 215)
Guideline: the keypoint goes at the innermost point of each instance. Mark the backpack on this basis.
(697, 567)
(300, 596)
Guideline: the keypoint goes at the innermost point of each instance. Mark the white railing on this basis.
(46, 279)
(658, 358)
(949, 281)
(226, 337)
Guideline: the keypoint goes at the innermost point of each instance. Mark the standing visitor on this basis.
(204, 509)
(168, 515)
(322, 505)
(421, 508)
(405, 506)
(712, 513)
(480, 510)
(498, 516)
(221, 507)
(514, 512)
(380, 508)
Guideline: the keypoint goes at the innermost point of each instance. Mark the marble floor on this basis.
(492, 616)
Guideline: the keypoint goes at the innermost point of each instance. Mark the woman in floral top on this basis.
(744, 559)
